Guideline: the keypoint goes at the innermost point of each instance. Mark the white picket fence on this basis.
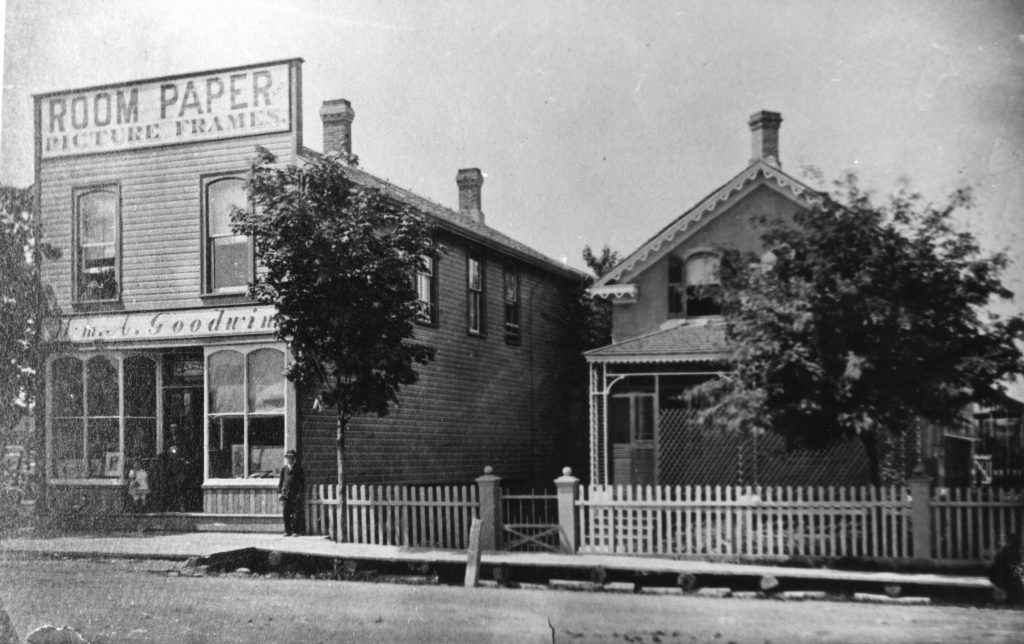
(754, 521)
(396, 515)
(829, 522)
(971, 524)
(870, 523)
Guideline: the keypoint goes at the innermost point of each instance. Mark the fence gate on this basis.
(530, 521)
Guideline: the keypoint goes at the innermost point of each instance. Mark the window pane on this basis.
(266, 446)
(104, 455)
(66, 386)
(644, 418)
(474, 311)
(474, 273)
(227, 455)
(222, 197)
(139, 386)
(97, 212)
(68, 437)
(675, 270)
(140, 438)
(102, 380)
(266, 380)
(226, 382)
(230, 261)
(702, 269)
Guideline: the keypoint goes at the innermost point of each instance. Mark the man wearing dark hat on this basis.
(291, 487)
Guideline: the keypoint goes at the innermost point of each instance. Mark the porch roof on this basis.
(686, 342)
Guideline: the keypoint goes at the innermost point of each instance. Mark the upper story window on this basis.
(426, 290)
(511, 282)
(97, 252)
(693, 286)
(702, 285)
(228, 257)
(476, 313)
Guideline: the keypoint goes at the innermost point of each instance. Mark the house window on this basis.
(475, 300)
(97, 253)
(426, 291)
(512, 333)
(702, 285)
(676, 288)
(246, 419)
(228, 256)
(86, 414)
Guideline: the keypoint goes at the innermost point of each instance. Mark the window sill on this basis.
(427, 323)
(97, 305)
(476, 334)
(226, 296)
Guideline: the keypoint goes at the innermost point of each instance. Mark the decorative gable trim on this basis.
(618, 293)
(713, 205)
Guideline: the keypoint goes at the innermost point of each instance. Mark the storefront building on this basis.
(160, 361)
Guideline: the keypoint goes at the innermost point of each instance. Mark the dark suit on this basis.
(292, 487)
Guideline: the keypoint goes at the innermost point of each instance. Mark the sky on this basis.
(593, 122)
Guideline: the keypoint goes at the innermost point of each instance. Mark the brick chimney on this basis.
(337, 117)
(469, 181)
(764, 136)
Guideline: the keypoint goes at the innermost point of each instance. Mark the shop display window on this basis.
(246, 420)
(86, 414)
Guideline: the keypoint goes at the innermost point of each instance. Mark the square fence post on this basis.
(490, 510)
(568, 492)
(921, 513)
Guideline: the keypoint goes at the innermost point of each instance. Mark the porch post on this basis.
(490, 510)
(920, 513)
(568, 491)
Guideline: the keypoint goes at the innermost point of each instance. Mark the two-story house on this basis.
(159, 359)
(667, 336)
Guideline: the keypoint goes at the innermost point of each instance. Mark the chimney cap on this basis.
(468, 177)
(338, 109)
(765, 119)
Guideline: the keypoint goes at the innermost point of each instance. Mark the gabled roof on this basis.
(710, 207)
(456, 222)
(686, 342)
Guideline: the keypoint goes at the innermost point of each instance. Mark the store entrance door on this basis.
(183, 449)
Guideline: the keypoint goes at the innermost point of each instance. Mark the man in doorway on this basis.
(291, 487)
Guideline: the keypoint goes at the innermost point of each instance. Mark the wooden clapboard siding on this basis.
(161, 232)
(240, 500)
(482, 402)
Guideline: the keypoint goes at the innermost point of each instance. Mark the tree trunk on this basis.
(870, 441)
(342, 534)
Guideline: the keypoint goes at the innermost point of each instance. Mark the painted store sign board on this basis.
(202, 107)
(164, 325)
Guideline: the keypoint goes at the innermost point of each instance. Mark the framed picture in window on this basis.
(112, 465)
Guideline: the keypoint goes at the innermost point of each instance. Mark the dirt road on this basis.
(143, 601)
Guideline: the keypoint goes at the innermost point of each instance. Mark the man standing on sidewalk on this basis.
(291, 487)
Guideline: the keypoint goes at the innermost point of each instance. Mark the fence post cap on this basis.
(566, 471)
(488, 470)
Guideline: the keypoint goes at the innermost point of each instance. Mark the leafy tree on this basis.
(338, 261)
(863, 319)
(24, 301)
(597, 312)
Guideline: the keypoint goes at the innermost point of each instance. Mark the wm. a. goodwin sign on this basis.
(163, 325)
(203, 107)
